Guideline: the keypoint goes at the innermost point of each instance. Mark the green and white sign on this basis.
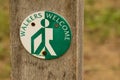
(45, 35)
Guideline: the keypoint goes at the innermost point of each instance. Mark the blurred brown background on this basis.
(4, 41)
(101, 40)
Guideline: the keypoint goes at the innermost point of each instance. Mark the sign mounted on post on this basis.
(45, 35)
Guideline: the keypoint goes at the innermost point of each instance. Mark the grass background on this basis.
(101, 40)
(4, 41)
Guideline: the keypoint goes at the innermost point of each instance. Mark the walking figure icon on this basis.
(46, 34)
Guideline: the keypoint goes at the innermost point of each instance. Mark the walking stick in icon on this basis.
(47, 35)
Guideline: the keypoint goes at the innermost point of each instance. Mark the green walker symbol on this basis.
(45, 35)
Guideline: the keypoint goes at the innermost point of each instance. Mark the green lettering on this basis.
(31, 18)
(28, 20)
(24, 28)
(22, 33)
(39, 15)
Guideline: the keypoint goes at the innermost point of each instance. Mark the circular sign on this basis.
(45, 35)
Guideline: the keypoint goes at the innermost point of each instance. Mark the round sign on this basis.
(45, 35)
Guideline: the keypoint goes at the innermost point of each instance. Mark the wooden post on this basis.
(27, 67)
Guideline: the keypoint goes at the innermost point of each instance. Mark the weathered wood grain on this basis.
(27, 67)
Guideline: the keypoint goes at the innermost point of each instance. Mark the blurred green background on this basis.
(4, 41)
(101, 40)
